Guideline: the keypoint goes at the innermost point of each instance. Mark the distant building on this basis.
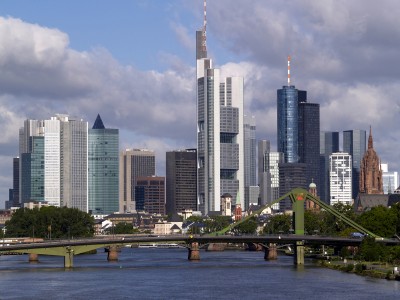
(291, 175)
(371, 181)
(354, 143)
(150, 194)
(53, 162)
(181, 181)
(340, 171)
(390, 179)
(103, 148)
(264, 176)
(250, 145)
(329, 143)
(133, 164)
(220, 150)
(310, 205)
(309, 140)
(226, 205)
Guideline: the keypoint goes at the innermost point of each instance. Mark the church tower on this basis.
(371, 173)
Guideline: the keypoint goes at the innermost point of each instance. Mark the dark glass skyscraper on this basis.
(181, 181)
(329, 143)
(309, 140)
(355, 143)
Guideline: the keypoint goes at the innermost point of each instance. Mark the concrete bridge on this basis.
(69, 248)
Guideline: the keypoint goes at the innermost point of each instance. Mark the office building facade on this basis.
(354, 143)
(291, 175)
(53, 154)
(390, 179)
(181, 180)
(329, 143)
(150, 194)
(220, 151)
(103, 166)
(340, 178)
(133, 163)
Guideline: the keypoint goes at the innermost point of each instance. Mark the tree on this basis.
(278, 224)
(380, 220)
(50, 222)
(247, 227)
(122, 228)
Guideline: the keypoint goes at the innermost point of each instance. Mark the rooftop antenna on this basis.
(288, 70)
(204, 42)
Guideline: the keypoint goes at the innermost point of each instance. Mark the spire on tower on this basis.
(204, 36)
(370, 140)
(288, 70)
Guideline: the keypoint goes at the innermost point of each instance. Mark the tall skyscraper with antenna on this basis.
(298, 124)
(220, 158)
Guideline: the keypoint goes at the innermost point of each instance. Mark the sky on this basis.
(133, 62)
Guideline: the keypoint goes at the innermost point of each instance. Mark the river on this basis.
(167, 274)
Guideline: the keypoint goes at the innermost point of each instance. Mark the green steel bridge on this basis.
(69, 248)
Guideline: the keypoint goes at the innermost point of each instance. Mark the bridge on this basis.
(69, 248)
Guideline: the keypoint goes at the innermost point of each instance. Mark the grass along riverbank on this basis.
(363, 268)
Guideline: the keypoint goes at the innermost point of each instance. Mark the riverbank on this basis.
(370, 269)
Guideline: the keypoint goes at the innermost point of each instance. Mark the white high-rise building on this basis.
(390, 180)
(65, 159)
(220, 155)
(340, 178)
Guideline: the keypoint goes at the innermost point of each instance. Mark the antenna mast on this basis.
(204, 42)
(288, 70)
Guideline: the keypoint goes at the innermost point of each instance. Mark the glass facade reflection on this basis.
(287, 123)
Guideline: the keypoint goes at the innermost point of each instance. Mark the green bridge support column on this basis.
(299, 253)
(69, 258)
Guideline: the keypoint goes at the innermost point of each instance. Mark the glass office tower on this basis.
(355, 143)
(329, 143)
(287, 123)
(103, 174)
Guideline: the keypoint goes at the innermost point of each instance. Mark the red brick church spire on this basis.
(371, 174)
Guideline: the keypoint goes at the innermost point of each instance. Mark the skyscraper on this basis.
(288, 123)
(340, 170)
(264, 177)
(74, 162)
(291, 175)
(133, 163)
(250, 176)
(32, 175)
(15, 190)
(150, 194)
(103, 163)
(354, 143)
(181, 181)
(220, 157)
(390, 179)
(53, 161)
(309, 140)
(329, 143)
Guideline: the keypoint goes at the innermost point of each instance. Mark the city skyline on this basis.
(138, 73)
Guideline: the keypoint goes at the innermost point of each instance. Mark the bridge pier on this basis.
(112, 253)
(33, 257)
(299, 253)
(194, 252)
(270, 253)
(69, 258)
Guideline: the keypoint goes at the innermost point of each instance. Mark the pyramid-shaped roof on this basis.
(98, 124)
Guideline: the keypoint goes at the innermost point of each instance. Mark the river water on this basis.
(167, 274)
